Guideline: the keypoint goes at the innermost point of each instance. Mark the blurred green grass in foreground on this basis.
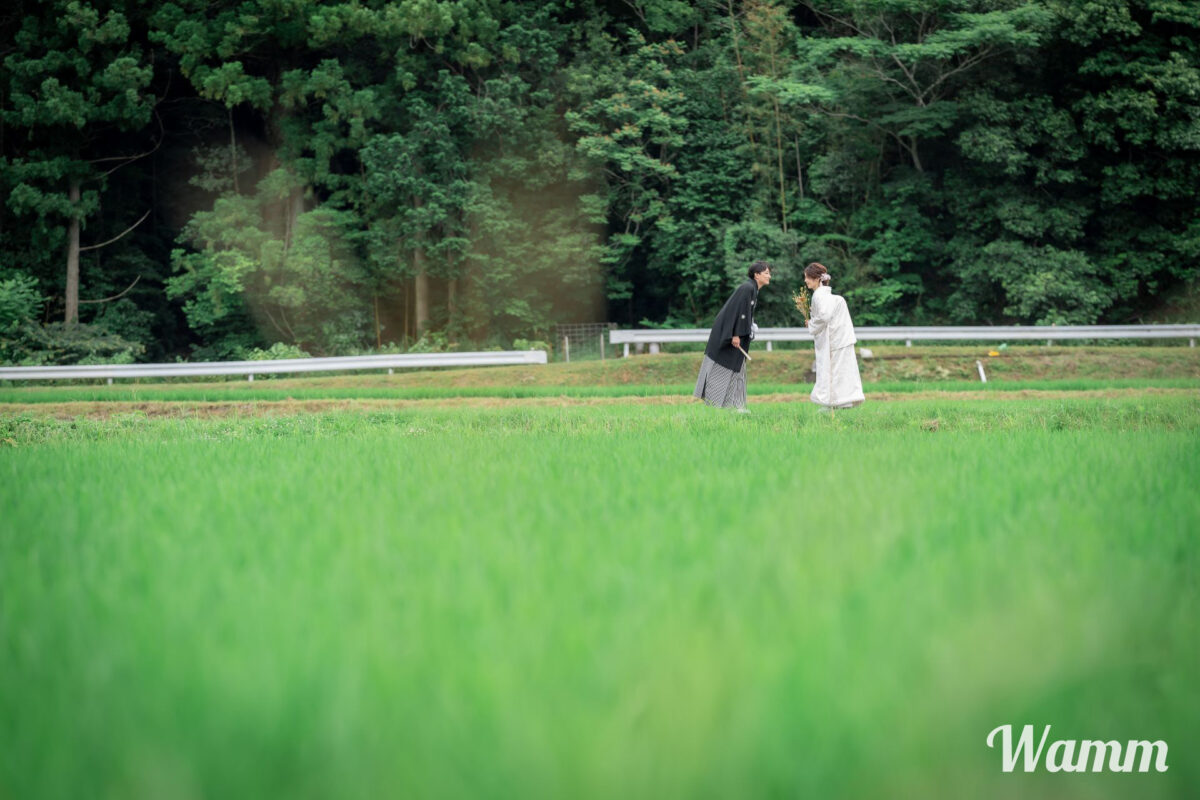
(639, 601)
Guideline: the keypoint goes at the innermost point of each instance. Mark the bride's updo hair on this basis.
(757, 267)
(817, 271)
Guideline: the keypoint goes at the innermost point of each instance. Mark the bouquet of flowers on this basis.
(801, 301)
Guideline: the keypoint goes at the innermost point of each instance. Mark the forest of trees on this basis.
(211, 178)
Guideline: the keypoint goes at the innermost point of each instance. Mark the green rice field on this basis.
(623, 599)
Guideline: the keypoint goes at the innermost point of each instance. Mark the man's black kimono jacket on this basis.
(734, 319)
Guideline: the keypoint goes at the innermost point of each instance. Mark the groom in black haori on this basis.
(722, 380)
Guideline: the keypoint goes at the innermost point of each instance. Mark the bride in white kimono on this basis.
(838, 384)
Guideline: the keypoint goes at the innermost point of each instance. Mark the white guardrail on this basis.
(1047, 333)
(288, 365)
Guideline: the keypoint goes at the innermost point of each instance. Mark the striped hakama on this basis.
(720, 386)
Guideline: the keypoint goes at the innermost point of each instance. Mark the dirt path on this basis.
(104, 410)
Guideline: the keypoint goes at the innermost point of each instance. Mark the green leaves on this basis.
(506, 166)
(1046, 285)
(305, 290)
(72, 67)
(229, 84)
(628, 121)
(19, 301)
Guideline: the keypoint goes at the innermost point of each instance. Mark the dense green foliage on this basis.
(205, 178)
(291, 612)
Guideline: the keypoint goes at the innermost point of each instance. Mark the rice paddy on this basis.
(621, 599)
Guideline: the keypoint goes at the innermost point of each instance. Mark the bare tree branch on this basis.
(966, 64)
(118, 236)
(267, 310)
(638, 10)
(286, 323)
(869, 122)
(130, 159)
(912, 78)
(843, 22)
(891, 31)
(883, 75)
(115, 296)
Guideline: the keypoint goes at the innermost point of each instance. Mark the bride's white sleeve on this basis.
(818, 314)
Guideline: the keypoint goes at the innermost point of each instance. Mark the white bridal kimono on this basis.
(838, 383)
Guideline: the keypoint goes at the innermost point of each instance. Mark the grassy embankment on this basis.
(892, 370)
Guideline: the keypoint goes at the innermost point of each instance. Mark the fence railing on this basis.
(287, 365)
(582, 341)
(654, 338)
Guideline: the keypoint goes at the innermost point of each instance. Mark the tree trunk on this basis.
(404, 316)
(737, 53)
(378, 335)
(799, 171)
(233, 162)
(420, 292)
(281, 215)
(292, 212)
(779, 163)
(420, 281)
(72, 315)
(916, 156)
